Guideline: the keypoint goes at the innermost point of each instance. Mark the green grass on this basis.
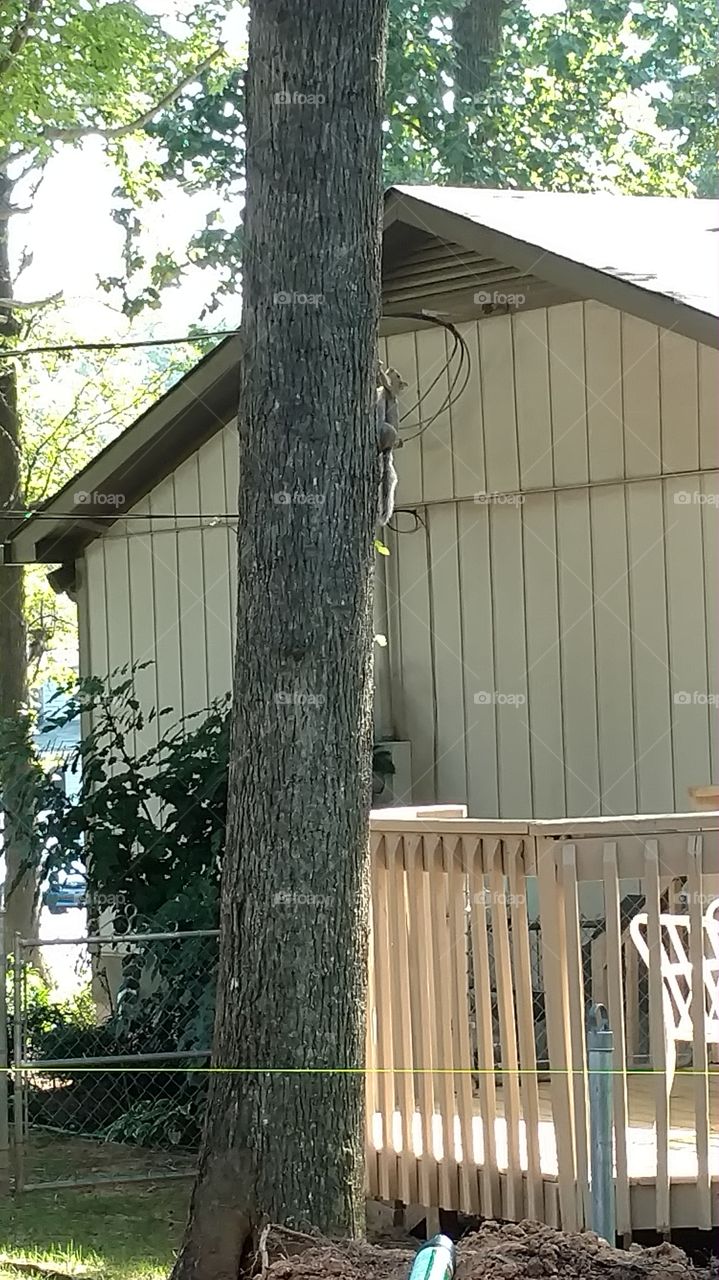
(116, 1234)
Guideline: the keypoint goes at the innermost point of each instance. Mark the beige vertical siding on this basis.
(160, 588)
(585, 593)
(537, 641)
(585, 655)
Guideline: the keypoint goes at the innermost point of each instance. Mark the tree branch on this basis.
(12, 304)
(112, 132)
(19, 36)
(8, 211)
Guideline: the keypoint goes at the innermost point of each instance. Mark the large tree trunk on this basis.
(20, 882)
(284, 1137)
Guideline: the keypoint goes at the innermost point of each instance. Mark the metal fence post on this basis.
(600, 1062)
(28, 1071)
(4, 1117)
(18, 1080)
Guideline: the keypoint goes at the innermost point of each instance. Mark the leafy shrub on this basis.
(162, 1122)
(150, 828)
(128, 1106)
(45, 1017)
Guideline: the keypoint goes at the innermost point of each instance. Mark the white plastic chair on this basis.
(677, 993)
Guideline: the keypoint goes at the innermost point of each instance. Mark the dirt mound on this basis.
(528, 1251)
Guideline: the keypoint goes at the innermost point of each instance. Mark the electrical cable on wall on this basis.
(464, 367)
(462, 370)
(419, 521)
(14, 353)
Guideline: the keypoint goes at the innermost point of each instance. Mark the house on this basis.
(549, 601)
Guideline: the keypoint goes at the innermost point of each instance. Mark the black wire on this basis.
(427, 423)
(419, 522)
(117, 515)
(203, 517)
(13, 353)
(435, 380)
(432, 384)
(414, 315)
(464, 356)
(10, 353)
(465, 363)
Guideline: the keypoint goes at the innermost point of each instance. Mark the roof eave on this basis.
(182, 420)
(204, 400)
(573, 277)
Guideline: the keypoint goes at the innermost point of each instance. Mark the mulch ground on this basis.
(528, 1251)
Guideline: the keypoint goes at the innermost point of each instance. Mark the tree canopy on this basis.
(68, 70)
(95, 396)
(610, 94)
(73, 68)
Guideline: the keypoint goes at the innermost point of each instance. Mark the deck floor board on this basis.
(641, 1140)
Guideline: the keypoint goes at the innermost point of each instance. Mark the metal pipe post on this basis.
(600, 1063)
(4, 1119)
(18, 1080)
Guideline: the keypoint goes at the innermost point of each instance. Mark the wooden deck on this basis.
(452, 980)
(641, 1130)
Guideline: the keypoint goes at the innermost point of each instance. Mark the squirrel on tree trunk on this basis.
(390, 383)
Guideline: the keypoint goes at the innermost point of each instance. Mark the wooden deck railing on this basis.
(467, 1108)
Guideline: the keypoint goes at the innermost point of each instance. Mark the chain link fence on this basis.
(105, 1079)
(104, 1050)
(593, 936)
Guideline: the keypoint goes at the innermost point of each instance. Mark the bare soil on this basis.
(528, 1251)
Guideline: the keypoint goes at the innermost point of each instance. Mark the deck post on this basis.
(600, 1050)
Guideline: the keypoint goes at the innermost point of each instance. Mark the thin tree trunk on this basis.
(477, 39)
(21, 887)
(284, 1141)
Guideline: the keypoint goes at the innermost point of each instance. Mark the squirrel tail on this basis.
(387, 487)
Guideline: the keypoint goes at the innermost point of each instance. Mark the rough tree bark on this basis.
(284, 1141)
(21, 886)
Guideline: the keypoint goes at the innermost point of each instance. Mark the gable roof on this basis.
(653, 256)
(664, 247)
